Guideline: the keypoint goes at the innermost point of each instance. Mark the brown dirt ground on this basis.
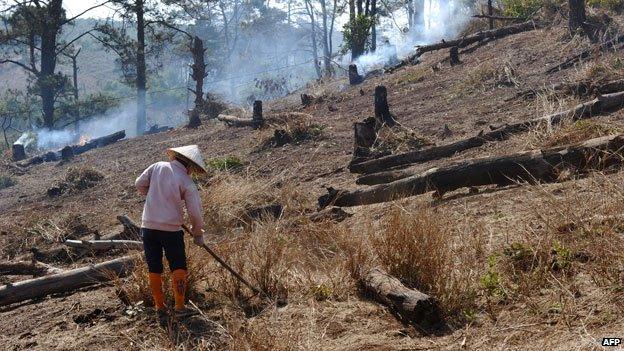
(465, 97)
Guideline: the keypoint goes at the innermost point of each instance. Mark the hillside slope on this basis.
(491, 304)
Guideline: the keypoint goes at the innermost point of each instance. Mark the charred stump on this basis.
(454, 56)
(67, 153)
(382, 109)
(281, 137)
(18, 152)
(307, 100)
(577, 16)
(256, 117)
(365, 136)
(194, 120)
(354, 77)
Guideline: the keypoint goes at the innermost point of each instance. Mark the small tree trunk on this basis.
(354, 77)
(382, 109)
(141, 79)
(577, 15)
(257, 118)
(454, 55)
(198, 71)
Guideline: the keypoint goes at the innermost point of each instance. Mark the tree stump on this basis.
(281, 137)
(454, 55)
(354, 77)
(365, 136)
(257, 118)
(194, 120)
(18, 152)
(382, 109)
(67, 153)
(307, 99)
(577, 16)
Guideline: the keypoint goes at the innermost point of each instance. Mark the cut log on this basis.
(99, 142)
(470, 39)
(499, 18)
(411, 306)
(33, 268)
(577, 89)
(18, 152)
(383, 117)
(603, 103)
(97, 245)
(531, 166)
(607, 45)
(354, 77)
(67, 281)
(131, 230)
(155, 129)
(235, 121)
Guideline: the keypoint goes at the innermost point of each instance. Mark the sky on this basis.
(74, 7)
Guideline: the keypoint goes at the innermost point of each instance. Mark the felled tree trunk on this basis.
(236, 121)
(67, 281)
(531, 166)
(354, 77)
(97, 245)
(465, 41)
(411, 306)
(33, 268)
(588, 109)
(607, 45)
(99, 142)
(383, 117)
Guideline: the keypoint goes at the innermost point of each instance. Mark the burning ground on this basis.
(515, 267)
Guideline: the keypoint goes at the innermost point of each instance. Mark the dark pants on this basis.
(157, 241)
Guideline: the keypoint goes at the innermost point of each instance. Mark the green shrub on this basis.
(521, 8)
(6, 181)
(225, 164)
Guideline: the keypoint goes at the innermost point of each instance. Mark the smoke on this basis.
(437, 22)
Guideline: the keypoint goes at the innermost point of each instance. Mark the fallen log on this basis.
(470, 39)
(33, 268)
(530, 166)
(98, 245)
(67, 281)
(601, 104)
(236, 121)
(411, 306)
(577, 89)
(131, 230)
(586, 54)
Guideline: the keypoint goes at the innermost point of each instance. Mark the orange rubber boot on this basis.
(179, 288)
(155, 282)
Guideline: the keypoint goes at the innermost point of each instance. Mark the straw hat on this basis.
(191, 153)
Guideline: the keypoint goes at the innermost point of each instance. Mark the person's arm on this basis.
(143, 181)
(194, 209)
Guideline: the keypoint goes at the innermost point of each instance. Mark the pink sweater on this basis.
(166, 185)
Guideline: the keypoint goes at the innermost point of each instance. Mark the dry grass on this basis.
(570, 133)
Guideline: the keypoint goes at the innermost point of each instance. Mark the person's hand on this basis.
(199, 240)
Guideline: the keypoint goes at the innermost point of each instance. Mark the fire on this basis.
(83, 139)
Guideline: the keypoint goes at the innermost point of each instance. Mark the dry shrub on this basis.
(419, 247)
(396, 140)
(571, 133)
(76, 180)
(485, 76)
(290, 128)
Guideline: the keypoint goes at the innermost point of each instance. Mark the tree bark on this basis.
(198, 72)
(256, 117)
(531, 166)
(67, 281)
(454, 56)
(576, 18)
(18, 153)
(141, 79)
(603, 103)
(409, 305)
(50, 28)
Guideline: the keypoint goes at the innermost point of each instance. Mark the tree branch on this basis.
(85, 11)
(29, 69)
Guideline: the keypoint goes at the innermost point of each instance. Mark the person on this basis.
(166, 186)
